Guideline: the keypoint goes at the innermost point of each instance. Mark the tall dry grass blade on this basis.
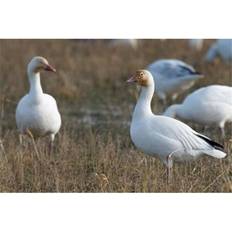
(213, 182)
(28, 132)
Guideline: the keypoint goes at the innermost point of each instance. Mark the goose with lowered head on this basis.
(37, 112)
(165, 137)
(208, 106)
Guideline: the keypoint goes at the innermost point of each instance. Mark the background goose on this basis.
(208, 106)
(196, 44)
(165, 137)
(172, 77)
(222, 48)
(37, 112)
(133, 43)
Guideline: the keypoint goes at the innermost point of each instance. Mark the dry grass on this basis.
(93, 151)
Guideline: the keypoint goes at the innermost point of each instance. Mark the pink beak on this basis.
(50, 68)
(131, 80)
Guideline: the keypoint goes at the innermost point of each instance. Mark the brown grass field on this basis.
(93, 151)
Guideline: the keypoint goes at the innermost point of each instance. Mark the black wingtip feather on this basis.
(190, 71)
(198, 73)
(211, 142)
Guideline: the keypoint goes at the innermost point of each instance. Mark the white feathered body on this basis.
(160, 136)
(41, 116)
(208, 106)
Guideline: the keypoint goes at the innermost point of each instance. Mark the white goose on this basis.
(162, 136)
(208, 106)
(37, 112)
(222, 48)
(172, 77)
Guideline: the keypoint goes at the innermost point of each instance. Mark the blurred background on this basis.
(94, 152)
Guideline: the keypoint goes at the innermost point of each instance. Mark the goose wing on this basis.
(172, 69)
(183, 134)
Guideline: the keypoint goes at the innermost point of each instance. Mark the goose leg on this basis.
(169, 163)
(169, 168)
(20, 139)
(21, 143)
(222, 132)
(51, 144)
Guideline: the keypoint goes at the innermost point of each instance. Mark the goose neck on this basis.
(35, 85)
(143, 106)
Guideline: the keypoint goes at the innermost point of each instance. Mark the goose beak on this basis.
(131, 80)
(50, 68)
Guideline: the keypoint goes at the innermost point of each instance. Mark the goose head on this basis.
(142, 77)
(38, 64)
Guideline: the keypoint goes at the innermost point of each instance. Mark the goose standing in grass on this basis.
(37, 112)
(222, 48)
(208, 106)
(172, 77)
(165, 137)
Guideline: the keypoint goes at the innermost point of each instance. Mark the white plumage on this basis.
(172, 77)
(222, 48)
(208, 106)
(37, 111)
(164, 137)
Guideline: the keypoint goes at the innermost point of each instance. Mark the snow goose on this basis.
(172, 77)
(222, 48)
(37, 112)
(165, 137)
(196, 44)
(208, 106)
